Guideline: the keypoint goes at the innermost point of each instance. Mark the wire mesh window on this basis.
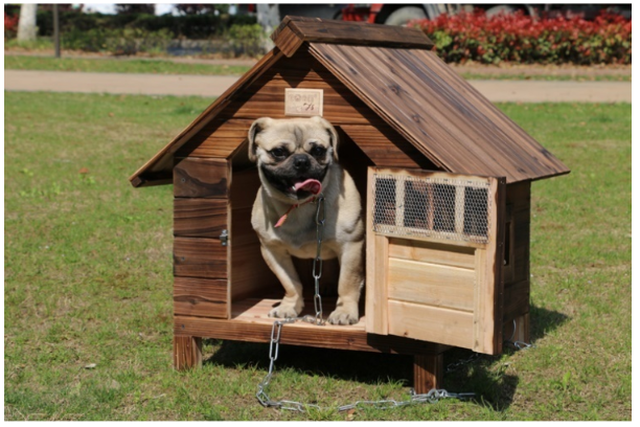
(442, 208)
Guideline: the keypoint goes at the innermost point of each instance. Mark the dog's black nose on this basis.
(301, 162)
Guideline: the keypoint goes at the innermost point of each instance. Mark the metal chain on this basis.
(519, 345)
(432, 396)
(317, 261)
(276, 330)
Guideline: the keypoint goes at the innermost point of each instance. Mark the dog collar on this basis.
(283, 218)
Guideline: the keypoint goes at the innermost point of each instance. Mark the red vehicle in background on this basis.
(401, 14)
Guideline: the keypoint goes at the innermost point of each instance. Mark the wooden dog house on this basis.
(444, 175)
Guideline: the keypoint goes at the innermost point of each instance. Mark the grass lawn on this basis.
(113, 65)
(88, 283)
(165, 66)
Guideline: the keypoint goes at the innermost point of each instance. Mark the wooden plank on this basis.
(488, 312)
(434, 253)
(450, 327)
(218, 139)
(478, 181)
(254, 326)
(195, 177)
(516, 299)
(435, 109)
(386, 148)
(431, 284)
(199, 257)
(201, 297)
(295, 30)
(400, 203)
(244, 188)
(187, 352)
(519, 195)
(428, 372)
(537, 161)
(199, 217)
(287, 41)
(376, 271)
(162, 162)
(250, 275)
(459, 207)
(267, 99)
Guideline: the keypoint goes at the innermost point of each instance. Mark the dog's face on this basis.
(291, 151)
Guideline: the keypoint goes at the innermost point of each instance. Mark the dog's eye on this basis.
(279, 153)
(318, 151)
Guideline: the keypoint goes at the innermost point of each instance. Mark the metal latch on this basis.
(224, 237)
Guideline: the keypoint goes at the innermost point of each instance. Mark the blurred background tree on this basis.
(27, 29)
(129, 8)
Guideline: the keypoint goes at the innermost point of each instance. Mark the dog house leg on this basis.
(187, 352)
(427, 372)
(522, 329)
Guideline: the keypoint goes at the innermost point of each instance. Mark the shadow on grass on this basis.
(465, 371)
(485, 375)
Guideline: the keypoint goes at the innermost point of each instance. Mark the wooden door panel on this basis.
(434, 257)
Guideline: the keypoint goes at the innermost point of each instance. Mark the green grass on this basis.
(88, 280)
(112, 65)
(166, 66)
(579, 76)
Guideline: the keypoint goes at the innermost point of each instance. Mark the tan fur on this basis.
(343, 235)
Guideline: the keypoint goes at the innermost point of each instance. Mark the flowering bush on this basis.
(524, 39)
(10, 25)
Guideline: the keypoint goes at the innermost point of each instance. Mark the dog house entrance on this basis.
(434, 257)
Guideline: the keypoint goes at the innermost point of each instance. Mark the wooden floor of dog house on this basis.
(250, 322)
(256, 310)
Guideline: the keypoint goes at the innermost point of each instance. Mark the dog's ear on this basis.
(257, 127)
(333, 135)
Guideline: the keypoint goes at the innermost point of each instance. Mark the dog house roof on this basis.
(394, 72)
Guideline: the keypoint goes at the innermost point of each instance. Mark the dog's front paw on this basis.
(344, 316)
(286, 310)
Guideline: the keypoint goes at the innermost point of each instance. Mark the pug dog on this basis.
(296, 159)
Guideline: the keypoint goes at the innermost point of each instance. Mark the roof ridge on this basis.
(295, 30)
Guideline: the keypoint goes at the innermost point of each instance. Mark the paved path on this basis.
(211, 86)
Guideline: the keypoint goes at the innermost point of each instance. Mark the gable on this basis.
(222, 135)
(266, 97)
(383, 89)
(441, 114)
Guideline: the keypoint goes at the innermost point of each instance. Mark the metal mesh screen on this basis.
(441, 208)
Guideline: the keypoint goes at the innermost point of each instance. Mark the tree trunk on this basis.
(27, 26)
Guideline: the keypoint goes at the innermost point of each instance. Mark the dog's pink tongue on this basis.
(313, 186)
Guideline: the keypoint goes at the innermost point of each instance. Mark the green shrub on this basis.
(194, 26)
(124, 41)
(246, 38)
